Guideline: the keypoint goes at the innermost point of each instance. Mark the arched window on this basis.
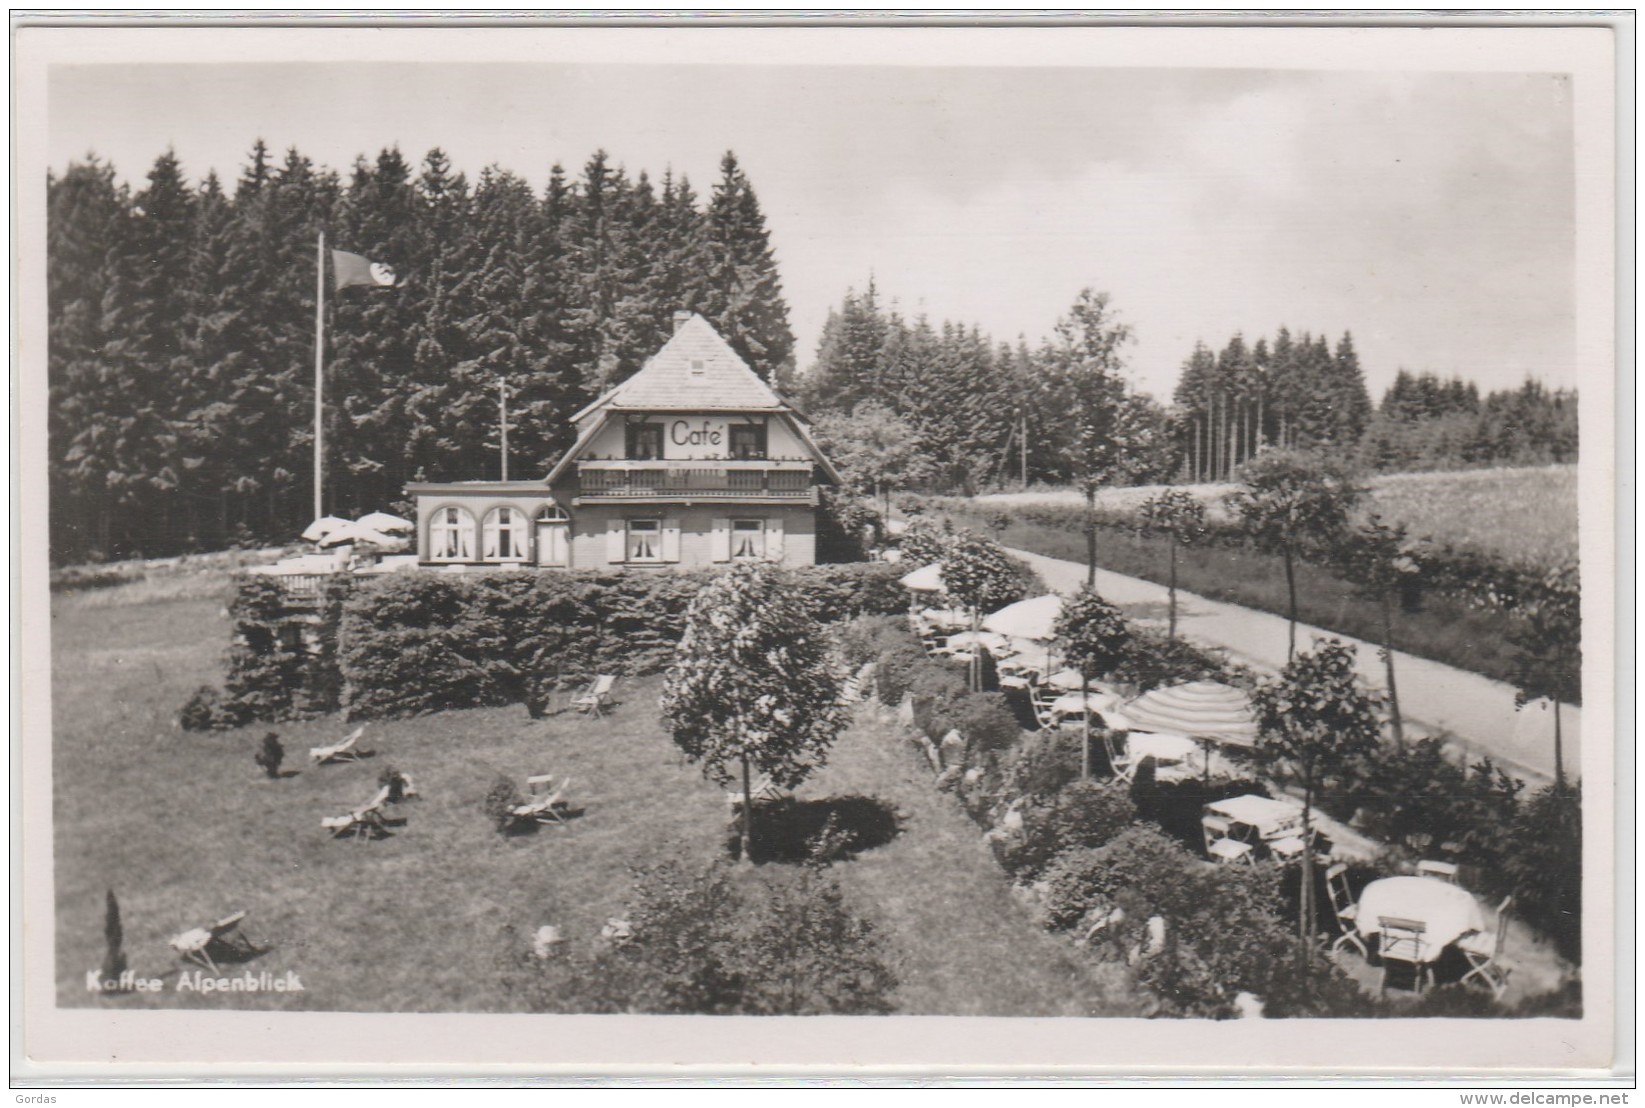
(505, 537)
(451, 536)
(553, 513)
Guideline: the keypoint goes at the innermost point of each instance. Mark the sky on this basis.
(1430, 214)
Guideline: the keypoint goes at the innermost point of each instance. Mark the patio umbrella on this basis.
(925, 579)
(354, 533)
(1027, 619)
(985, 639)
(1071, 704)
(1200, 709)
(322, 527)
(1070, 679)
(382, 521)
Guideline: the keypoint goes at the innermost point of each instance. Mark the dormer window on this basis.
(698, 368)
(645, 441)
(747, 441)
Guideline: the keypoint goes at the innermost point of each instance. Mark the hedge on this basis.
(424, 642)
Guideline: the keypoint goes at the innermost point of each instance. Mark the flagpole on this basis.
(502, 400)
(319, 371)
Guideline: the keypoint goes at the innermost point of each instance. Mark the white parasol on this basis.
(389, 524)
(925, 579)
(322, 527)
(1027, 619)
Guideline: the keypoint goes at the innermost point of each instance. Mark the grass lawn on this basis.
(185, 829)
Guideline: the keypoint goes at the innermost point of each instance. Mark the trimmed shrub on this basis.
(985, 719)
(894, 674)
(1415, 797)
(418, 642)
(866, 637)
(706, 943)
(1085, 814)
(1046, 762)
(1140, 864)
(937, 690)
(1542, 866)
(270, 755)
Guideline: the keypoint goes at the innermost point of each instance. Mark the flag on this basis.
(353, 269)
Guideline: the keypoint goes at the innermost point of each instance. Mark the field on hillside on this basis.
(1522, 514)
(185, 830)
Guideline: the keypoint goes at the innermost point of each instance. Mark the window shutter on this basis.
(774, 539)
(719, 541)
(671, 540)
(616, 533)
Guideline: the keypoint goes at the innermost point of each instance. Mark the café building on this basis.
(693, 461)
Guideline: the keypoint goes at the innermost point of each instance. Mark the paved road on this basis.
(1478, 712)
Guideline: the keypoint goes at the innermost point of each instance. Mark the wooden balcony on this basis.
(696, 479)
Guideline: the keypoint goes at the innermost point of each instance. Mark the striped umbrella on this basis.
(1200, 709)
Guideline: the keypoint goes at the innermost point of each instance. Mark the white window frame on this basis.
(652, 527)
(492, 533)
(741, 527)
(452, 526)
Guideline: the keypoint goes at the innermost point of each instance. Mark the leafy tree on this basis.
(1547, 664)
(753, 684)
(1181, 518)
(875, 449)
(1378, 561)
(924, 541)
(981, 576)
(1315, 723)
(1290, 502)
(1095, 638)
(1097, 429)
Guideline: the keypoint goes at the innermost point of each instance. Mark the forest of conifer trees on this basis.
(181, 349)
(181, 337)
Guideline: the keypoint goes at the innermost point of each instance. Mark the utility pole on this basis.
(319, 373)
(1024, 447)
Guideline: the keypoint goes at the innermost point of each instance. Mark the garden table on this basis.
(1160, 747)
(1273, 819)
(1448, 911)
(1073, 704)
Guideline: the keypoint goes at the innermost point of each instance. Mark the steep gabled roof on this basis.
(696, 370)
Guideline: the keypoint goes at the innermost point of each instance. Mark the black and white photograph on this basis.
(1104, 534)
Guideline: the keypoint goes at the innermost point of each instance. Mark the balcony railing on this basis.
(699, 480)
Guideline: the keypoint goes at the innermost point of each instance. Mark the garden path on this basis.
(1478, 713)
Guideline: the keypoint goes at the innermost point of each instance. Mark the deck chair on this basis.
(338, 752)
(363, 823)
(1344, 908)
(539, 784)
(598, 697)
(1042, 698)
(1402, 944)
(1445, 871)
(544, 808)
(1119, 758)
(1483, 949)
(196, 944)
(1220, 843)
(764, 791)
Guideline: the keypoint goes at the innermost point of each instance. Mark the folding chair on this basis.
(363, 823)
(1402, 942)
(1445, 871)
(1346, 911)
(338, 752)
(195, 945)
(1220, 843)
(598, 697)
(1125, 770)
(1483, 949)
(544, 808)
